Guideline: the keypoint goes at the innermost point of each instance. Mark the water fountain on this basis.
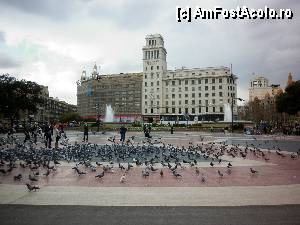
(227, 113)
(109, 114)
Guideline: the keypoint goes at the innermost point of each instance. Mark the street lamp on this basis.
(233, 98)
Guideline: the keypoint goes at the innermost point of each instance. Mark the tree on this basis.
(18, 95)
(69, 116)
(289, 101)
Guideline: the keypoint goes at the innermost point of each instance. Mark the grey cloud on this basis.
(54, 9)
(2, 36)
(8, 62)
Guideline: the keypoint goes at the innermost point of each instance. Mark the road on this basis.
(64, 215)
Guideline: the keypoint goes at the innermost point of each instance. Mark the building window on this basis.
(186, 88)
(179, 89)
(206, 102)
(186, 95)
(151, 67)
(213, 101)
(157, 67)
(199, 95)
(173, 95)
(173, 110)
(167, 83)
(199, 88)
(193, 81)
(173, 89)
(151, 110)
(193, 88)
(206, 88)
(193, 95)
(213, 94)
(214, 109)
(157, 82)
(221, 109)
(145, 110)
(145, 76)
(193, 102)
(206, 80)
(173, 82)
(186, 82)
(157, 96)
(167, 110)
(179, 102)
(186, 110)
(186, 102)
(146, 69)
(179, 95)
(206, 109)
(145, 96)
(206, 95)
(220, 87)
(157, 75)
(220, 80)
(179, 110)
(173, 102)
(179, 82)
(199, 109)
(167, 96)
(193, 110)
(166, 102)
(213, 88)
(213, 79)
(220, 94)
(151, 84)
(199, 81)
(145, 84)
(199, 102)
(145, 102)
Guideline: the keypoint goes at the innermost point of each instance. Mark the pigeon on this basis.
(18, 177)
(229, 165)
(197, 171)
(153, 169)
(161, 173)
(123, 179)
(100, 175)
(47, 173)
(211, 164)
(203, 179)
(253, 171)
(220, 174)
(32, 187)
(32, 178)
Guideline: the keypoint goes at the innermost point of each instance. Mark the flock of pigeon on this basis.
(119, 156)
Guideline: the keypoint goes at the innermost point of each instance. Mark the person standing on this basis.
(123, 131)
(57, 136)
(48, 135)
(85, 132)
(26, 132)
(172, 129)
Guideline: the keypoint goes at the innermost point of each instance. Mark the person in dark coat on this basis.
(85, 132)
(48, 135)
(123, 131)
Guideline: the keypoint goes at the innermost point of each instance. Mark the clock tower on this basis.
(154, 68)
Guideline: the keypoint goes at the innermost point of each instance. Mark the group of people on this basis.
(46, 131)
(122, 131)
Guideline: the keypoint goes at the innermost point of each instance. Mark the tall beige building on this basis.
(259, 88)
(198, 94)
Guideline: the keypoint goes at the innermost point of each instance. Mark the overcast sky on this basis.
(52, 41)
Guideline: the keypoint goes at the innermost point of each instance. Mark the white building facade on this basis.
(198, 94)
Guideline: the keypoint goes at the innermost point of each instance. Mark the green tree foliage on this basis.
(289, 101)
(18, 95)
(70, 116)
